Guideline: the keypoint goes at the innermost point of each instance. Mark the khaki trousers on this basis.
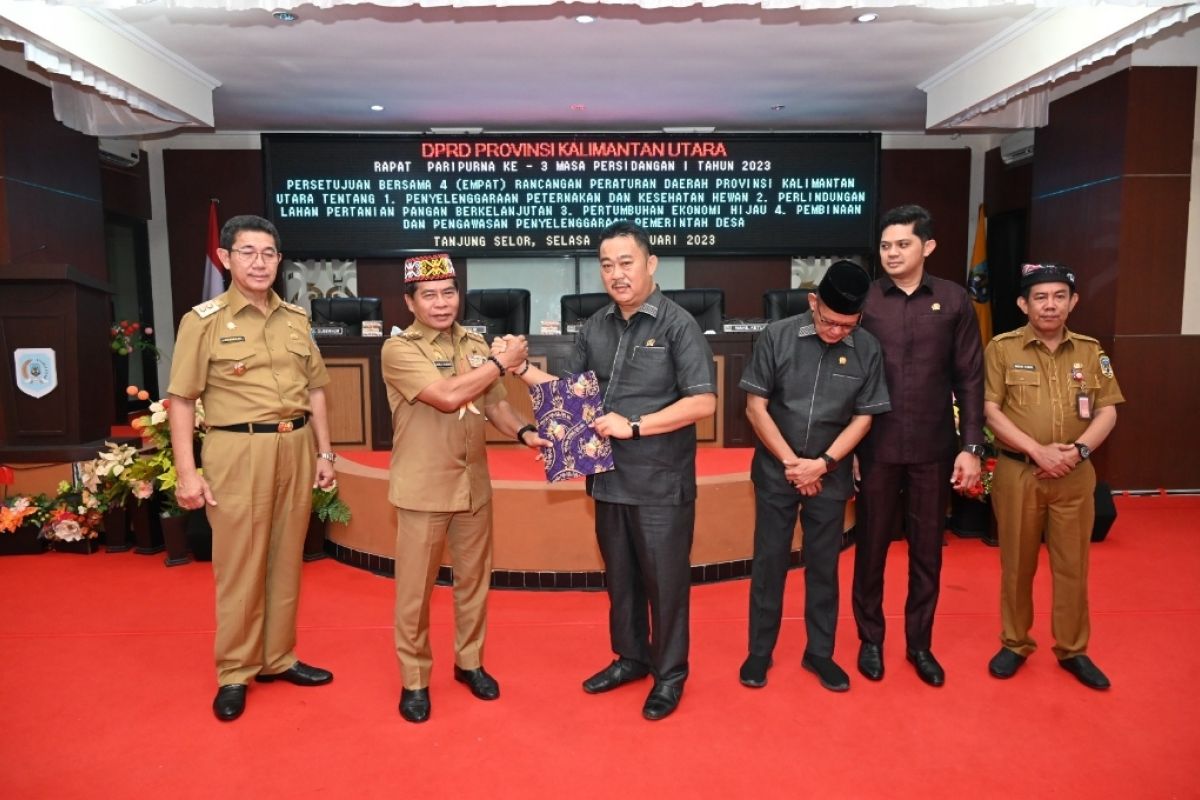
(421, 537)
(1064, 508)
(262, 483)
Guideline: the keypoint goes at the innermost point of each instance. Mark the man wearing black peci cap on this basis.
(813, 384)
(1051, 400)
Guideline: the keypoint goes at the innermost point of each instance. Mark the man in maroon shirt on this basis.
(911, 457)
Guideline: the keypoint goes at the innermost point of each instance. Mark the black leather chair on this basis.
(349, 312)
(576, 308)
(780, 303)
(706, 305)
(503, 311)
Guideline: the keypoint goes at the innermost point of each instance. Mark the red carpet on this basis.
(106, 684)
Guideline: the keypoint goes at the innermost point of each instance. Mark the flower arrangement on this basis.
(73, 515)
(987, 463)
(103, 475)
(21, 510)
(124, 337)
(156, 469)
(328, 506)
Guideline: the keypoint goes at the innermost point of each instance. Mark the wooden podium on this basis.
(55, 306)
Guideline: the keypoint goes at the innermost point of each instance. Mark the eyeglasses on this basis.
(269, 256)
(844, 326)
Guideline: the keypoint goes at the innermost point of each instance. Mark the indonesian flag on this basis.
(214, 273)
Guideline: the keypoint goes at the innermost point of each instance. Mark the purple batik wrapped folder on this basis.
(564, 410)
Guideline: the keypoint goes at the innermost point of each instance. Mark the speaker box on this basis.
(1106, 512)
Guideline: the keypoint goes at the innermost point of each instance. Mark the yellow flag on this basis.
(977, 282)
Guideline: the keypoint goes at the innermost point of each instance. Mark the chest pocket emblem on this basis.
(476, 360)
(239, 368)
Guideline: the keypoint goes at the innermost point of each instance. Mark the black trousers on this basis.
(926, 490)
(774, 526)
(647, 560)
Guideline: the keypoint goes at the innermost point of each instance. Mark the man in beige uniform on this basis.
(440, 380)
(1051, 400)
(250, 358)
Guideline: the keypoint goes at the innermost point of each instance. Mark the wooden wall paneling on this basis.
(1085, 140)
(349, 401)
(126, 190)
(192, 178)
(743, 279)
(1082, 229)
(48, 226)
(939, 180)
(1006, 188)
(1152, 254)
(1155, 444)
(1160, 120)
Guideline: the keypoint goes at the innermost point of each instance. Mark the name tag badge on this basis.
(1083, 405)
(1027, 367)
(443, 363)
(232, 339)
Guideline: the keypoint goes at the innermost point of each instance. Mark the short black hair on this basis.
(914, 215)
(627, 228)
(246, 222)
(411, 287)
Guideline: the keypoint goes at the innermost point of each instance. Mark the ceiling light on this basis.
(284, 16)
(866, 18)
(692, 129)
(455, 131)
(585, 19)
(377, 107)
(778, 107)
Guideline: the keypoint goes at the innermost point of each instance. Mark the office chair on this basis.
(503, 311)
(781, 303)
(706, 305)
(576, 308)
(349, 312)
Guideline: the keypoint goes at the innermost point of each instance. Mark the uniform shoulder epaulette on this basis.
(1083, 337)
(478, 337)
(210, 307)
(295, 309)
(1007, 335)
(412, 334)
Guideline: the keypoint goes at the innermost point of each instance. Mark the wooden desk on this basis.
(359, 413)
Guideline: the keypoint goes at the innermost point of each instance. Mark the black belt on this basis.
(263, 427)
(1015, 456)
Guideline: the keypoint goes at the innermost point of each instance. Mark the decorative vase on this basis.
(84, 547)
(174, 533)
(147, 528)
(23, 541)
(314, 540)
(116, 529)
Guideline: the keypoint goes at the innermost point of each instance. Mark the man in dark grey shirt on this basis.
(813, 383)
(657, 379)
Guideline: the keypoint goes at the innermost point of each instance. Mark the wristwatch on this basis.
(976, 450)
(330, 456)
(830, 462)
(1085, 452)
(635, 424)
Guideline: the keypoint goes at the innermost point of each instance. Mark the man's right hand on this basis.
(1054, 460)
(511, 351)
(192, 491)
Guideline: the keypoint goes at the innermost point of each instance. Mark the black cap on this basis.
(844, 287)
(1032, 274)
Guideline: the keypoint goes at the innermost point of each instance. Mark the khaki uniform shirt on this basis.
(244, 366)
(1038, 390)
(439, 462)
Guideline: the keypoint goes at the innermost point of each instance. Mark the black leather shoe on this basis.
(754, 671)
(663, 699)
(870, 661)
(230, 702)
(481, 684)
(300, 674)
(619, 672)
(928, 669)
(1087, 672)
(1005, 664)
(414, 704)
(832, 677)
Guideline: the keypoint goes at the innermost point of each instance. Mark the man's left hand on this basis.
(326, 474)
(967, 469)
